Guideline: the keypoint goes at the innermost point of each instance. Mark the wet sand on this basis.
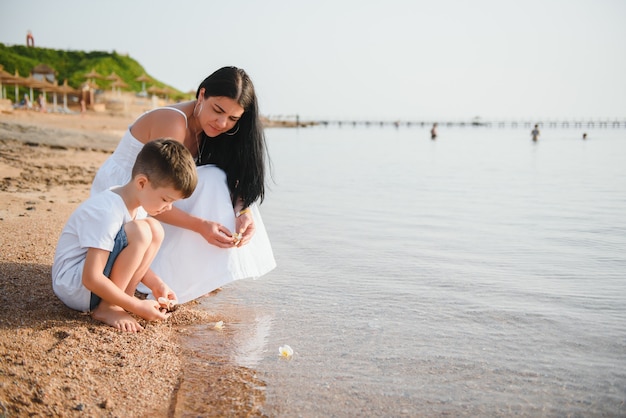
(58, 362)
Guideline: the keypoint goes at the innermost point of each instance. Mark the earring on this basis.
(233, 133)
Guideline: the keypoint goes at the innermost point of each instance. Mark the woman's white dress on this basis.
(189, 265)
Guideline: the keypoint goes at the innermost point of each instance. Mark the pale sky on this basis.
(363, 59)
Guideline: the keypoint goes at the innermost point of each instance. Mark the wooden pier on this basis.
(295, 121)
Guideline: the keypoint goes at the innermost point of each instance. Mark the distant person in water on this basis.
(535, 133)
(585, 135)
(433, 131)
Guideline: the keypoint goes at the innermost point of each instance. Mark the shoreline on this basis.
(56, 361)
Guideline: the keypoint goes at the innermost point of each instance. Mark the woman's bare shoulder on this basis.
(161, 122)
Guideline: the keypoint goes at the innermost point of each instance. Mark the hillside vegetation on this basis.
(74, 65)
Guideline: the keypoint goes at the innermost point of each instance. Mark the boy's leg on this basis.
(144, 238)
(121, 241)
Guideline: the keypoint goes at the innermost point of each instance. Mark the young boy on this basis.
(108, 243)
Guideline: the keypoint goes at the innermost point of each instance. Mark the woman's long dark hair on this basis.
(241, 155)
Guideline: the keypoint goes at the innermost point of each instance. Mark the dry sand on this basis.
(58, 362)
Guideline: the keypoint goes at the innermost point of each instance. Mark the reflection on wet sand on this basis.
(219, 378)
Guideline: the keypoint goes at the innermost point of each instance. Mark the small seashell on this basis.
(218, 325)
(285, 351)
(167, 304)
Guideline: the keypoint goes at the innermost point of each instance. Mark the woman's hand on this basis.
(244, 224)
(212, 232)
(216, 234)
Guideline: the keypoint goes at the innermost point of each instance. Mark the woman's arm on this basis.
(213, 232)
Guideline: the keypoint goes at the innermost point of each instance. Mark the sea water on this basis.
(478, 274)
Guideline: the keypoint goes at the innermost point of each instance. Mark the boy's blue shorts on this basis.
(121, 242)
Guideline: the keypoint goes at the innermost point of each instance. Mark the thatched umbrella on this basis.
(87, 92)
(61, 89)
(155, 90)
(143, 78)
(18, 81)
(55, 89)
(8, 78)
(90, 76)
(5, 77)
(3, 73)
(113, 77)
(31, 83)
(65, 89)
(120, 85)
(93, 74)
(166, 92)
(46, 87)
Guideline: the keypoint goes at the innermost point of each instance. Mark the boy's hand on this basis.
(150, 310)
(166, 297)
(163, 291)
(169, 305)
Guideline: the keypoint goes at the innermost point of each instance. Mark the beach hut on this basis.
(44, 72)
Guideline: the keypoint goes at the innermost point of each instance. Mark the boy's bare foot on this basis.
(116, 317)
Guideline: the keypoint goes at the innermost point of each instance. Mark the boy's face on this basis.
(158, 200)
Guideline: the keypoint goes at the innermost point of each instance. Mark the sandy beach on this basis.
(56, 361)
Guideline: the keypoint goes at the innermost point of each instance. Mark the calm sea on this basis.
(480, 274)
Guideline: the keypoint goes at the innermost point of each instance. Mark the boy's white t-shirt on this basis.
(94, 224)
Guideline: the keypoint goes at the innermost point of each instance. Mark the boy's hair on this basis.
(166, 162)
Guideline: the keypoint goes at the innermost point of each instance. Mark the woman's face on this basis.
(218, 114)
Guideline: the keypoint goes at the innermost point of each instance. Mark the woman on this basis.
(216, 235)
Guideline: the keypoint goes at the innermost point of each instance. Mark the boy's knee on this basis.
(156, 230)
(139, 232)
(145, 231)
